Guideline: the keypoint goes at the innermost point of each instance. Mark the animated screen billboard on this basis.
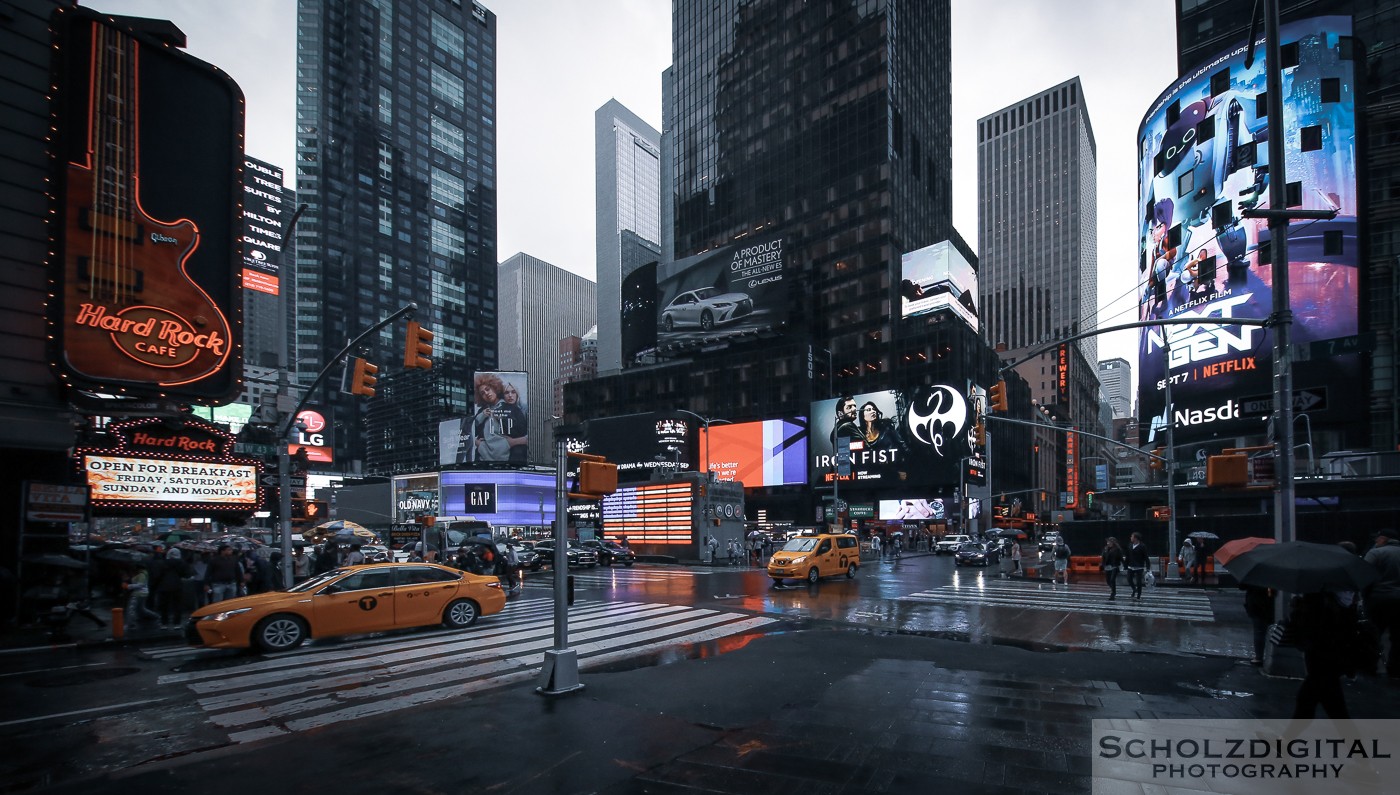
(640, 444)
(894, 439)
(732, 290)
(766, 453)
(1203, 162)
(938, 278)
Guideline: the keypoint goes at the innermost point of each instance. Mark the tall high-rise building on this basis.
(1116, 382)
(578, 361)
(396, 160)
(627, 151)
(540, 305)
(1204, 29)
(808, 146)
(1037, 230)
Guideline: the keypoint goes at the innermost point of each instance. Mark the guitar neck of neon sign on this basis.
(131, 311)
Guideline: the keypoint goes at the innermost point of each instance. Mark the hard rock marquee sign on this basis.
(180, 466)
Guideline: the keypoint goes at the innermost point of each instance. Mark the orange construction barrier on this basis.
(118, 624)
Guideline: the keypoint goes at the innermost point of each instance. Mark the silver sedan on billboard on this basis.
(706, 307)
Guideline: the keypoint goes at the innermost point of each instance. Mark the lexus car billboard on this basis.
(894, 439)
(731, 290)
(766, 453)
(1203, 163)
(938, 278)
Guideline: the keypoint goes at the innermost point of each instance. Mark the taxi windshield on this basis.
(800, 545)
(316, 582)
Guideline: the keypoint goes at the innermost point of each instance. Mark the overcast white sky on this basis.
(559, 60)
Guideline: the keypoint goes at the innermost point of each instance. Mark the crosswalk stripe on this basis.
(1178, 603)
(325, 685)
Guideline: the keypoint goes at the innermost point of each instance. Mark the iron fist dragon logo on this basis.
(937, 416)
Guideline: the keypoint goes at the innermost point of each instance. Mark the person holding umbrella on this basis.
(1383, 599)
(1188, 559)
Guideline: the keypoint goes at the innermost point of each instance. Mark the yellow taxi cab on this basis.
(814, 557)
(348, 601)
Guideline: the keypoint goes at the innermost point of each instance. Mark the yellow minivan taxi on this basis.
(814, 557)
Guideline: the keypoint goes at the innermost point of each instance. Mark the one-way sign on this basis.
(1312, 399)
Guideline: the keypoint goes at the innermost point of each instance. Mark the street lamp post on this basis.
(709, 475)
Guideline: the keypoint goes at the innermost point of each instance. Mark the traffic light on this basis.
(979, 434)
(364, 379)
(418, 347)
(309, 511)
(1158, 461)
(996, 396)
(598, 478)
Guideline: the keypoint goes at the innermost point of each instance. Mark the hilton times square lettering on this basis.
(170, 481)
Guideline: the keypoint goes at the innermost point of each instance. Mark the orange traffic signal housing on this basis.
(418, 347)
(597, 477)
(364, 379)
(1227, 470)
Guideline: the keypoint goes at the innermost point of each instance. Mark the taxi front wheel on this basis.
(461, 613)
(279, 633)
(813, 575)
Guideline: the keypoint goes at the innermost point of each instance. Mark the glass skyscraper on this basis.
(628, 200)
(396, 160)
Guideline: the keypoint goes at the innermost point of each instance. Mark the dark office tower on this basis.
(267, 285)
(1037, 220)
(806, 148)
(1204, 29)
(396, 154)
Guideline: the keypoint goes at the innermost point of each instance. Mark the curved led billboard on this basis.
(1203, 164)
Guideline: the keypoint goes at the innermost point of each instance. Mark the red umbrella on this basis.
(1232, 549)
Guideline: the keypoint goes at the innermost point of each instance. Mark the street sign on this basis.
(254, 448)
(1310, 399)
(1100, 477)
(1340, 346)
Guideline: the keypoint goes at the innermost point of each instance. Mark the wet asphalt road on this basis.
(72, 713)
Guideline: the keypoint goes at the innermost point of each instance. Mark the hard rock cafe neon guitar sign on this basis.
(131, 312)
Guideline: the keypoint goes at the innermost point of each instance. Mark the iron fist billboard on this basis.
(1203, 162)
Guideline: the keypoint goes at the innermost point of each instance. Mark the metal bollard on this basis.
(118, 623)
(570, 590)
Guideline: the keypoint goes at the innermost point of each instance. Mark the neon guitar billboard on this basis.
(147, 174)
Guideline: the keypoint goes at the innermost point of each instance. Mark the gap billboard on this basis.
(1203, 162)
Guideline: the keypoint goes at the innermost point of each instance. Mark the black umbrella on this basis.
(1203, 535)
(1302, 567)
(128, 556)
(58, 561)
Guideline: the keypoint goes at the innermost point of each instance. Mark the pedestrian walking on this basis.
(1062, 555)
(138, 591)
(1199, 561)
(1188, 558)
(301, 566)
(1015, 556)
(1112, 563)
(169, 587)
(875, 545)
(1137, 564)
(1383, 599)
(1322, 629)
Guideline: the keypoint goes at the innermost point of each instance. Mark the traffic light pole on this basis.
(560, 674)
(284, 439)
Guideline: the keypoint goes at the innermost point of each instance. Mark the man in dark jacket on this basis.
(1383, 599)
(167, 583)
(1137, 564)
(224, 575)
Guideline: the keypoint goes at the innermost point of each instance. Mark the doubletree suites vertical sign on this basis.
(146, 165)
(180, 466)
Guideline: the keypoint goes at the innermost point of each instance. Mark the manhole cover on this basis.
(80, 677)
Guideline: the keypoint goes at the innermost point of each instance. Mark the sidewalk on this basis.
(815, 711)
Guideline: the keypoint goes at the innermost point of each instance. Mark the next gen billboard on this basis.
(731, 290)
(1203, 161)
(894, 440)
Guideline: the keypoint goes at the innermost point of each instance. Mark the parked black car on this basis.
(577, 554)
(610, 552)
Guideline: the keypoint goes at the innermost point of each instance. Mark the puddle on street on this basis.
(1214, 692)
